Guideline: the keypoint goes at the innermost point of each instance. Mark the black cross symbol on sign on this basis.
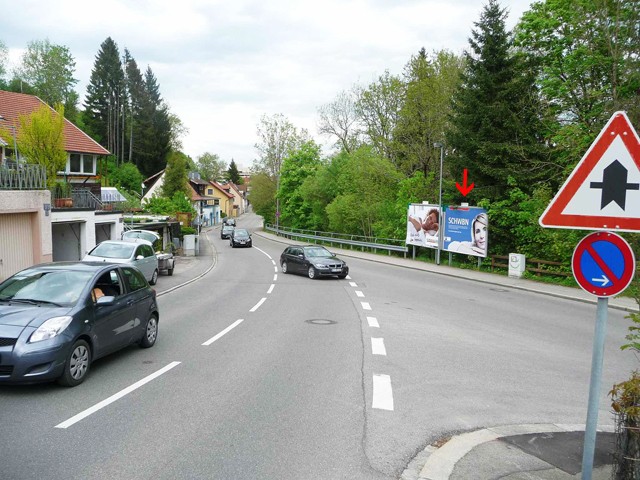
(614, 185)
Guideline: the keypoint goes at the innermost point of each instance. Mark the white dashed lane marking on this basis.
(377, 346)
(359, 294)
(223, 332)
(382, 392)
(373, 322)
(365, 305)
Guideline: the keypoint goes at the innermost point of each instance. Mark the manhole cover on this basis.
(501, 290)
(321, 321)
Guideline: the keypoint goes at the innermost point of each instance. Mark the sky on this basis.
(222, 65)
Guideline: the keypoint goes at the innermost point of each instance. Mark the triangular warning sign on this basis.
(603, 191)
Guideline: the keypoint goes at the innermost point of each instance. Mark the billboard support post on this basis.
(441, 147)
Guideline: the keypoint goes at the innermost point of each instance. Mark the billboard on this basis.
(466, 231)
(423, 222)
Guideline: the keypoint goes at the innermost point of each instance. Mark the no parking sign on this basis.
(603, 264)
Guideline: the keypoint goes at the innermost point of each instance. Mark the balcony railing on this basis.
(22, 176)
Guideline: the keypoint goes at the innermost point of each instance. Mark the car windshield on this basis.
(317, 252)
(57, 287)
(227, 228)
(113, 250)
(240, 232)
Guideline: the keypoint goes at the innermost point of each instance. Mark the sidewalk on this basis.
(512, 452)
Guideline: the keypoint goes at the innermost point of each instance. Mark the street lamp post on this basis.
(441, 147)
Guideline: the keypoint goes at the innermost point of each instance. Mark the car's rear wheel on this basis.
(312, 273)
(77, 365)
(150, 332)
(154, 277)
(284, 267)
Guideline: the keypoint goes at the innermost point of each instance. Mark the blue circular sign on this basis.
(603, 264)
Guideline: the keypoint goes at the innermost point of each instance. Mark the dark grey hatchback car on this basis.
(57, 318)
(314, 261)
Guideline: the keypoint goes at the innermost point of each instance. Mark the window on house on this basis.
(79, 163)
(210, 191)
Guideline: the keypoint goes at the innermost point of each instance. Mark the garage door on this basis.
(16, 243)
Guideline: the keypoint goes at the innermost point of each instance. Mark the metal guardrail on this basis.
(22, 176)
(373, 243)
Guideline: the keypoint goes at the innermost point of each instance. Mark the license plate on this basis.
(336, 270)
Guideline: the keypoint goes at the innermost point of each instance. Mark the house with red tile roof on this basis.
(39, 229)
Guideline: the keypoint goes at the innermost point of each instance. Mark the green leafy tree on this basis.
(210, 166)
(495, 126)
(278, 136)
(106, 100)
(378, 107)
(296, 168)
(366, 184)
(4, 62)
(40, 139)
(175, 176)
(128, 177)
(262, 196)
(588, 67)
(339, 119)
(423, 118)
(49, 70)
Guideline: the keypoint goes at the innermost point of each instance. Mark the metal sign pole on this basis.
(594, 388)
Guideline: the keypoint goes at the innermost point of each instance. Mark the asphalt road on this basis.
(283, 377)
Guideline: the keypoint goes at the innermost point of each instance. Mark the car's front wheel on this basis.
(313, 273)
(150, 332)
(154, 277)
(284, 267)
(77, 365)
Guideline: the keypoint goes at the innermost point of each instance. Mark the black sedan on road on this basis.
(240, 237)
(57, 318)
(313, 260)
(225, 231)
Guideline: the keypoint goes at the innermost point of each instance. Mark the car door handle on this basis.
(130, 302)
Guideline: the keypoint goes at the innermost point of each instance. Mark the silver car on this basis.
(140, 254)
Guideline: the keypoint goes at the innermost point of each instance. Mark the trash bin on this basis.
(516, 265)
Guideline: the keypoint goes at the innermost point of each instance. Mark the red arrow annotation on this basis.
(464, 189)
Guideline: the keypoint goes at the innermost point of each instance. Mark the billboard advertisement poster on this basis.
(423, 222)
(466, 231)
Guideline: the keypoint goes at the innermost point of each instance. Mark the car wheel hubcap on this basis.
(312, 272)
(79, 362)
(152, 330)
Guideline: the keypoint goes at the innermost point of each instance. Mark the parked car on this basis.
(312, 260)
(166, 260)
(139, 254)
(225, 231)
(240, 237)
(57, 318)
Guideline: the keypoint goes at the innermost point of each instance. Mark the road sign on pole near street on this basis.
(603, 264)
(603, 191)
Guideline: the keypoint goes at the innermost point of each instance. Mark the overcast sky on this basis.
(221, 65)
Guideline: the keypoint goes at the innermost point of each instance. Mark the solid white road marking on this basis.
(373, 322)
(271, 288)
(223, 332)
(117, 396)
(377, 346)
(365, 305)
(353, 284)
(257, 305)
(382, 393)
(263, 252)
(359, 294)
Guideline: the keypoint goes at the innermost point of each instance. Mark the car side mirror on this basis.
(106, 300)
(140, 257)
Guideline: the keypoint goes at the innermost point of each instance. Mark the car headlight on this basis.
(319, 265)
(51, 328)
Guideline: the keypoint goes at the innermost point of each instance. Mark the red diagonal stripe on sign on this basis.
(605, 268)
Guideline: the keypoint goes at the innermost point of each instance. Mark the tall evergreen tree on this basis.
(106, 99)
(154, 129)
(233, 175)
(495, 127)
(136, 91)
